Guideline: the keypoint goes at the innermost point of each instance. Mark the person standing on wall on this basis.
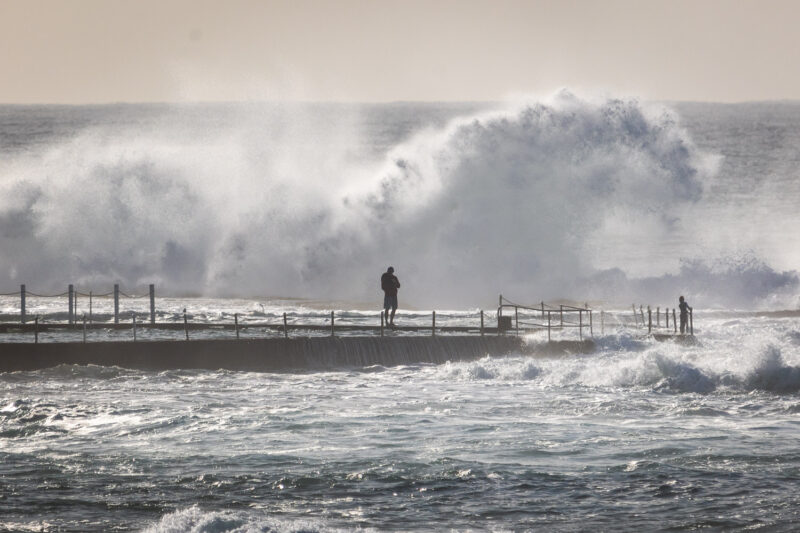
(685, 309)
(389, 284)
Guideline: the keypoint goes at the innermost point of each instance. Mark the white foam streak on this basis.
(730, 357)
(193, 519)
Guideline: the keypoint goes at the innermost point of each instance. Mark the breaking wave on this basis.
(527, 200)
(622, 363)
(195, 519)
(772, 374)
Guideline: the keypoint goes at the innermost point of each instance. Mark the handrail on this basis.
(547, 306)
(72, 296)
(543, 316)
(520, 306)
(544, 312)
(648, 324)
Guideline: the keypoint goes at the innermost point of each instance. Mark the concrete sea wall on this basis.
(274, 354)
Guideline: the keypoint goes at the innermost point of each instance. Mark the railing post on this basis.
(691, 322)
(116, 303)
(91, 321)
(185, 324)
(499, 314)
(152, 303)
(433, 325)
(580, 322)
(666, 314)
(285, 326)
(481, 322)
(658, 317)
(561, 312)
(381, 323)
(22, 304)
(84, 328)
(36, 330)
(236, 324)
(591, 326)
(674, 321)
(71, 300)
(649, 320)
(133, 319)
(332, 326)
(516, 319)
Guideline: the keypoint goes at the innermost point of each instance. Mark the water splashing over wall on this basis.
(532, 199)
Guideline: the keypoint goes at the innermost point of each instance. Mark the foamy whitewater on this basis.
(266, 208)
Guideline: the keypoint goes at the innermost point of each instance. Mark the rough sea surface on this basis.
(638, 435)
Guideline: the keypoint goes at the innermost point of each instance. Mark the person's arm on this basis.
(397, 282)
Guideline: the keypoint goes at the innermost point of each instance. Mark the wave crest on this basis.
(531, 199)
(770, 373)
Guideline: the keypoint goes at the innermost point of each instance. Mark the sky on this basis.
(101, 51)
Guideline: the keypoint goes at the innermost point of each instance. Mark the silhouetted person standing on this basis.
(685, 309)
(389, 284)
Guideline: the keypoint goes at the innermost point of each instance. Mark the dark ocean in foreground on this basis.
(637, 435)
(605, 201)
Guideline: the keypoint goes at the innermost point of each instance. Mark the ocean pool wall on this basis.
(276, 354)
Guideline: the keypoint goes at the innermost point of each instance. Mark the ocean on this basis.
(260, 209)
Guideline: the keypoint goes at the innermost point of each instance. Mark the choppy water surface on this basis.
(639, 435)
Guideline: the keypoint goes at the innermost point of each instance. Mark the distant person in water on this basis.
(684, 307)
(389, 284)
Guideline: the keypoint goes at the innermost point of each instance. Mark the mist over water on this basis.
(564, 197)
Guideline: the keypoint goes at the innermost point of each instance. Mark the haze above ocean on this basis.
(610, 201)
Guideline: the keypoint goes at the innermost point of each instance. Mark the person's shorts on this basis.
(390, 301)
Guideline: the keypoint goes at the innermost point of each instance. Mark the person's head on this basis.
(390, 270)
(680, 299)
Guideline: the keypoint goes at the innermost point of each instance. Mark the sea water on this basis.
(637, 435)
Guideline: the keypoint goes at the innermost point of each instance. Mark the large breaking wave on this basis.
(529, 200)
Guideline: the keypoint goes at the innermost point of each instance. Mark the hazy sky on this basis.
(79, 51)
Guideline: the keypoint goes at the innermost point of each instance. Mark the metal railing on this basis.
(527, 318)
(73, 296)
(643, 319)
(511, 317)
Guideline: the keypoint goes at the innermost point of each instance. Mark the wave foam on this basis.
(770, 373)
(195, 520)
(727, 364)
(529, 200)
(682, 377)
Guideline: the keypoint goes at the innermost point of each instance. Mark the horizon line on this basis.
(359, 102)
